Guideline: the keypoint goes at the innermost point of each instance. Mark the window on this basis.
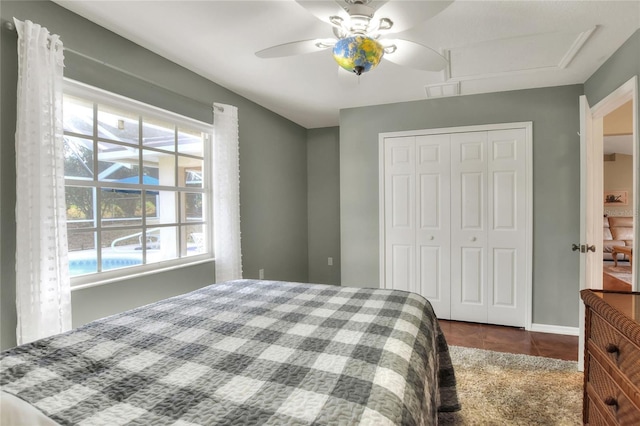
(137, 187)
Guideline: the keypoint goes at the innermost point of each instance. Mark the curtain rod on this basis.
(11, 27)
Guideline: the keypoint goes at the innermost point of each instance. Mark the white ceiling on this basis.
(493, 46)
(622, 144)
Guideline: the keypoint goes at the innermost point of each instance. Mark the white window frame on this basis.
(99, 96)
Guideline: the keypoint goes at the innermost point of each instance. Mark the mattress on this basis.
(243, 352)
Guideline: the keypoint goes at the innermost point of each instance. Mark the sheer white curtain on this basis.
(43, 296)
(226, 193)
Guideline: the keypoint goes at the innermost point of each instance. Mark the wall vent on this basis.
(442, 90)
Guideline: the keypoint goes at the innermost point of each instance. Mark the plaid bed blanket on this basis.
(245, 352)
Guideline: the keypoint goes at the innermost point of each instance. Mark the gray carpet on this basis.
(497, 388)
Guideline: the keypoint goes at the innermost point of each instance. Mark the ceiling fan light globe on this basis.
(358, 54)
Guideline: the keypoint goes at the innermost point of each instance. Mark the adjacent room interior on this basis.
(618, 184)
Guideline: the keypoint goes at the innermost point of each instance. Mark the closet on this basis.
(455, 220)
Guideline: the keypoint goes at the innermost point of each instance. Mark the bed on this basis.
(238, 353)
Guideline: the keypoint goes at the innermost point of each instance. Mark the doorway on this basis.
(618, 186)
(591, 190)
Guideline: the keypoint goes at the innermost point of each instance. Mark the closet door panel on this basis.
(504, 278)
(401, 199)
(471, 201)
(402, 267)
(433, 188)
(506, 190)
(505, 201)
(430, 274)
(429, 195)
(399, 188)
(468, 226)
(472, 274)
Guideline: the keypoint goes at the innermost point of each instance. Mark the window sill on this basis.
(140, 274)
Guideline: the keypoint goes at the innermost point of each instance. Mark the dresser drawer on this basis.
(603, 389)
(619, 350)
(595, 418)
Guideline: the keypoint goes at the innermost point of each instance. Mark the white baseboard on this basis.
(555, 329)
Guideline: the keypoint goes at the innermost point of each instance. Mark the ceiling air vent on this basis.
(442, 90)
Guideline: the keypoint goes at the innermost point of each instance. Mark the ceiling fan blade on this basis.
(323, 9)
(414, 55)
(377, 4)
(295, 48)
(408, 14)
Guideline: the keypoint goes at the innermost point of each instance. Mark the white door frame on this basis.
(528, 126)
(623, 94)
(589, 275)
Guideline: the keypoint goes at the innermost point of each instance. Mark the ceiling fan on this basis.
(360, 29)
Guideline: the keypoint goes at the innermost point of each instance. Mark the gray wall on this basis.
(273, 162)
(323, 196)
(556, 178)
(617, 70)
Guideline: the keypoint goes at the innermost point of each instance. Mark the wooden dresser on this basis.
(612, 358)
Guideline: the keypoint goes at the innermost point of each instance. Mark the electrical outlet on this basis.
(261, 274)
(330, 261)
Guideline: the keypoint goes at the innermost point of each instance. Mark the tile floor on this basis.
(510, 339)
(611, 282)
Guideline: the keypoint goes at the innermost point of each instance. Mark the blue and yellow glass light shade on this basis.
(358, 53)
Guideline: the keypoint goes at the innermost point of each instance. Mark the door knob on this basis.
(431, 237)
(583, 248)
(472, 238)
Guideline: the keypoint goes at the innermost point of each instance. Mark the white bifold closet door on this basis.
(417, 188)
(455, 222)
(488, 234)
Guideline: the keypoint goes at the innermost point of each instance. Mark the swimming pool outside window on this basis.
(137, 182)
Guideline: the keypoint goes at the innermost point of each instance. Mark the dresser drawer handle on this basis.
(612, 349)
(611, 401)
